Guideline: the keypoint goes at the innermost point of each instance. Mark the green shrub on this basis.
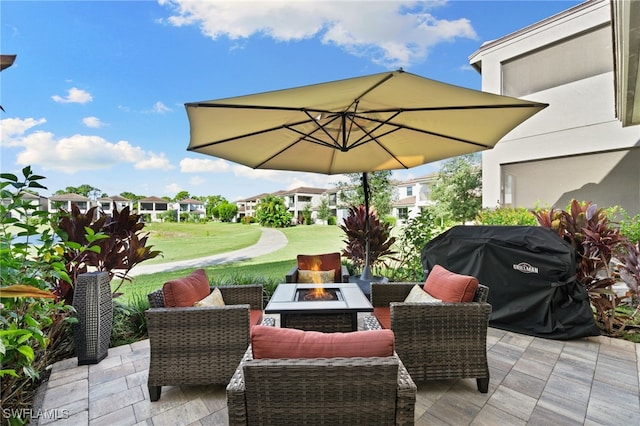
(506, 216)
(414, 235)
(390, 220)
(35, 328)
(129, 322)
(332, 220)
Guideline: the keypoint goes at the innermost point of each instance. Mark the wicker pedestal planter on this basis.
(94, 305)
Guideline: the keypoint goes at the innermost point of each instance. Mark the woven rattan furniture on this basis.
(94, 310)
(321, 391)
(199, 345)
(437, 341)
(319, 262)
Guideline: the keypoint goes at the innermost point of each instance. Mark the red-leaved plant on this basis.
(380, 239)
(597, 242)
(630, 271)
(114, 244)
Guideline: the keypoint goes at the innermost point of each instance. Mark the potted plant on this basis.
(380, 242)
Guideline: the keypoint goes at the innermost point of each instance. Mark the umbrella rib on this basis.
(427, 132)
(245, 135)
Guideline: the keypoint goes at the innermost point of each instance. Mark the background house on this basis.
(413, 196)
(65, 201)
(39, 202)
(192, 207)
(575, 148)
(106, 204)
(154, 207)
(296, 200)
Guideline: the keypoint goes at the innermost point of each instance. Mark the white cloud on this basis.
(203, 165)
(286, 178)
(74, 95)
(12, 128)
(197, 181)
(160, 108)
(390, 33)
(154, 162)
(74, 153)
(173, 188)
(92, 122)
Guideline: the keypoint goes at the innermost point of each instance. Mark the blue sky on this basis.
(96, 95)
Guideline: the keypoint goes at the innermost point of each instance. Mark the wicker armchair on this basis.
(199, 345)
(327, 391)
(437, 341)
(322, 262)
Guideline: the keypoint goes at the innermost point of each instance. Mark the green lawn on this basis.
(182, 241)
(271, 267)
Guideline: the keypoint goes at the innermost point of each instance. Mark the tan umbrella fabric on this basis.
(385, 121)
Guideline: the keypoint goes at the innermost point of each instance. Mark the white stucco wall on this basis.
(581, 114)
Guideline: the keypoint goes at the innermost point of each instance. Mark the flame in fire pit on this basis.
(318, 293)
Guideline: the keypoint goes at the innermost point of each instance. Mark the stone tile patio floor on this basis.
(592, 381)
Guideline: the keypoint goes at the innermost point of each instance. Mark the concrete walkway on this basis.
(534, 381)
(270, 241)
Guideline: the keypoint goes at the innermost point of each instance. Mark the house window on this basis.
(403, 213)
(409, 191)
(105, 206)
(161, 206)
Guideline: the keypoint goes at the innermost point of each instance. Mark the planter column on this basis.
(94, 306)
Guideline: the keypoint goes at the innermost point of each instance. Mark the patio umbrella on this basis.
(384, 121)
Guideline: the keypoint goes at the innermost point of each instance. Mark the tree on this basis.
(182, 195)
(380, 190)
(271, 211)
(131, 196)
(324, 211)
(459, 187)
(84, 190)
(212, 202)
(227, 211)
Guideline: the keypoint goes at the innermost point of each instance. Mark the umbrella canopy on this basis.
(385, 121)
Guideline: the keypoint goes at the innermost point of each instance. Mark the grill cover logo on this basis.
(526, 268)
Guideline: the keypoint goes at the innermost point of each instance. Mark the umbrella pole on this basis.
(366, 270)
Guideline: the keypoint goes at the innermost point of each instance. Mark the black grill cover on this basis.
(530, 272)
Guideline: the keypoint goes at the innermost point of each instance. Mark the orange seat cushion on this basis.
(186, 291)
(321, 262)
(272, 342)
(383, 315)
(449, 286)
(255, 317)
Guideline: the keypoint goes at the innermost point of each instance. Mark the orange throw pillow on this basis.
(272, 342)
(449, 286)
(186, 291)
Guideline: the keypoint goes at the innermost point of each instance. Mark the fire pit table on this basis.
(331, 307)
